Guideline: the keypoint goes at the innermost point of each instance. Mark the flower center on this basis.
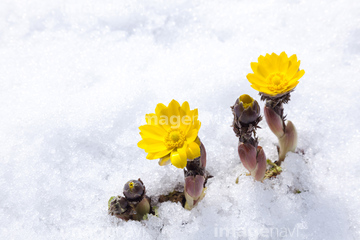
(277, 82)
(246, 100)
(175, 138)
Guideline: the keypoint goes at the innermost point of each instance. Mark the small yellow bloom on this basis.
(275, 74)
(171, 134)
(246, 100)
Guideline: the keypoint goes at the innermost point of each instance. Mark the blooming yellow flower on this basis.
(171, 134)
(275, 74)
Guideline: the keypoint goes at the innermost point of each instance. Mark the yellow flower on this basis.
(171, 134)
(275, 74)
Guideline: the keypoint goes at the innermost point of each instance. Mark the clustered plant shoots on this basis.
(275, 77)
(171, 136)
(246, 113)
(135, 205)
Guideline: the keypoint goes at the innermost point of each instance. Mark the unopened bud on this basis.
(274, 121)
(202, 156)
(134, 190)
(193, 190)
(142, 208)
(253, 159)
(247, 153)
(246, 109)
(288, 141)
(260, 169)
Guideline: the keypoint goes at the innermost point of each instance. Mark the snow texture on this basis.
(78, 77)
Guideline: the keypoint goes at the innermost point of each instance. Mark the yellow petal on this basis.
(254, 79)
(269, 65)
(159, 108)
(293, 69)
(194, 122)
(195, 114)
(260, 59)
(197, 125)
(283, 62)
(152, 156)
(186, 107)
(186, 121)
(191, 135)
(293, 58)
(193, 150)
(267, 91)
(170, 115)
(256, 87)
(147, 141)
(263, 70)
(164, 160)
(185, 116)
(283, 56)
(298, 75)
(156, 147)
(254, 66)
(292, 85)
(164, 119)
(274, 58)
(197, 141)
(178, 158)
(152, 131)
(151, 119)
(173, 108)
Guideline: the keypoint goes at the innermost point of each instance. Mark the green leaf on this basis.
(155, 210)
(110, 200)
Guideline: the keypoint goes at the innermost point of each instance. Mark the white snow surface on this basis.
(78, 77)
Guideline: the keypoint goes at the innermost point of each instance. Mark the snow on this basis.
(77, 79)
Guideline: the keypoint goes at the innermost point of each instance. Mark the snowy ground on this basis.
(76, 80)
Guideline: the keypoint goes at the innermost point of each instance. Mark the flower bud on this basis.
(260, 169)
(253, 159)
(119, 207)
(247, 153)
(194, 190)
(288, 141)
(134, 190)
(274, 121)
(134, 206)
(202, 156)
(142, 208)
(246, 109)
